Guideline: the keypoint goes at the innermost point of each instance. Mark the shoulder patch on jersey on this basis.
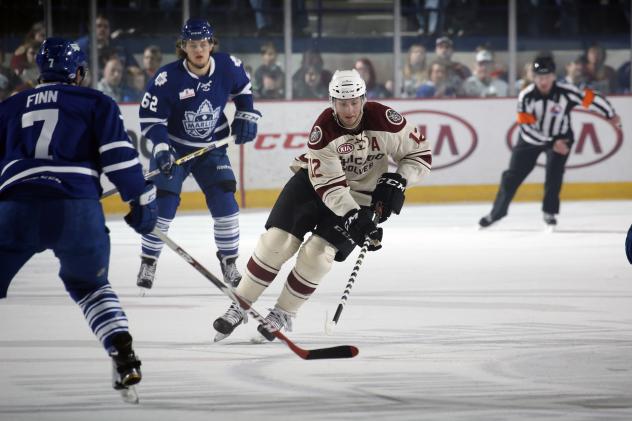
(161, 79)
(316, 135)
(345, 148)
(394, 117)
(187, 93)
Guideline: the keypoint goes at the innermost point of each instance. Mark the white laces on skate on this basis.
(280, 319)
(235, 314)
(229, 270)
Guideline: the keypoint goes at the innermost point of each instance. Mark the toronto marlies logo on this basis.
(201, 123)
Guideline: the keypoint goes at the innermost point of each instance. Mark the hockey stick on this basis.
(186, 158)
(330, 324)
(342, 351)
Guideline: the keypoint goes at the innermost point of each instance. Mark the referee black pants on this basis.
(523, 160)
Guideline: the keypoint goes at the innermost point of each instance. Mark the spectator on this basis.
(30, 73)
(310, 58)
(623, 74)
(457, 73)
(437, 85)
(110, 84)
(415, 71)
(12, 80)
(526, 78)
(106, 46)
(481, 83)
(430, 15)
(152, 59)
(576, 72)
(374, 90)
(5, 90)
(599, 75)
(135, 82)
(37, 34)
(272, 83)
(268, 65)
(312, 86)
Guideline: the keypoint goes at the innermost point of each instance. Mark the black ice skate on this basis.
(225, 324)
(145, 279)
(125, 367)
(279, 319)
(549, 220)
(487, 220)
(229, 270)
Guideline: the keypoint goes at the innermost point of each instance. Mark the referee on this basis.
(544, 109)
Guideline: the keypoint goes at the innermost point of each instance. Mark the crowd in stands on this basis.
(424, 75)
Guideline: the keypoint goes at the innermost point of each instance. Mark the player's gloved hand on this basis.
(244, 126)
(359, 225)
(163, 154)
(143, 210)
(388, 195)
(628, 245)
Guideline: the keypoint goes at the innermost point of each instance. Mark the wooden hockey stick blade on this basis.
(342, 351)
(215, 145)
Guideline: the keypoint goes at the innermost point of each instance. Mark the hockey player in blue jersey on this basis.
(55, 142)
(183, 110)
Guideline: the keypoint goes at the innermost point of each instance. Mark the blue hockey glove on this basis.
(143, 210)
(388, 195)
(359, 225)
(628, 245)
(163, 154)
(244, 126)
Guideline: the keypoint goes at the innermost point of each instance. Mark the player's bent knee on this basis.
(276, 246)
(315, 258)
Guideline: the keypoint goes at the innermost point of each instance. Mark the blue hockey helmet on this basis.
(60, 60)
(196, 29)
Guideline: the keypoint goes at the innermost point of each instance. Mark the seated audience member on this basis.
(457, 73)
(152, 59)
(29, 73)
(111, 83)
(134, 87)
(374, 90)
(599, 75)
(36, 35)
(8, 79)
(310, 57)
(272, 84)
(526, 76)
(623, 74)
(268, 65)
(415, 72)
(481, 84)
(437, 85)
(312, 86)
(576, 72)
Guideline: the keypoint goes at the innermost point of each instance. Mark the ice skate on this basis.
(550, 220)
(229, 270)
(278, 319)
(125, 367)
(146, 274)
(225, 324)
(486, 221)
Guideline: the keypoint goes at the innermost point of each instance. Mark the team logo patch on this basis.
(204, 86)
(394, 117)
(345, 148)
(187, 93)
(315, 135)
(161, 79)
(556, 109)
(201, 123)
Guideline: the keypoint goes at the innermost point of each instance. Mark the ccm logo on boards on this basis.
(451, 138)
(596, 139)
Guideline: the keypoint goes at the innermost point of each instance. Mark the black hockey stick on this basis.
(342, 351)
(182, 160)
(330, 324)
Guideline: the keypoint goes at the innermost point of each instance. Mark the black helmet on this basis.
(543, 65)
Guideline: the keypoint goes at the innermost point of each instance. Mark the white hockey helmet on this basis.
(346, 84)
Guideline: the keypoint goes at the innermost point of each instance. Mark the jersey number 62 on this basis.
(149, 101)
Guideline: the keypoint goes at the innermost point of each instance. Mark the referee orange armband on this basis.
(525, 118)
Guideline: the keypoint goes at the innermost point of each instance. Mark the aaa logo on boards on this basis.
(596, 139)
(452, 139)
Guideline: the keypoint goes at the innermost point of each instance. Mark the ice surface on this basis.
(452, 323)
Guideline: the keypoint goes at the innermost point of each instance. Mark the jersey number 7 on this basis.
(50, 118)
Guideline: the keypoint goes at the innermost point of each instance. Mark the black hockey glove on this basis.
(165, 158)
(143, 210)
(388, 195)
(360, 225)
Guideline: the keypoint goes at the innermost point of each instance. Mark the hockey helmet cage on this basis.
(346, 84)
(60, 60)
(196, 29)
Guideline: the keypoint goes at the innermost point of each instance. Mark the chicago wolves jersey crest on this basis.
(185, 109)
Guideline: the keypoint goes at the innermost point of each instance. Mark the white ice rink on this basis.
(452, 323)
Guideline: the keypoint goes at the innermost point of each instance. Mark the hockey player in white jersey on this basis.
(182, 111)
(336, 188)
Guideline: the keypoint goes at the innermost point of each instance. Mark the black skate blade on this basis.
(342, 351)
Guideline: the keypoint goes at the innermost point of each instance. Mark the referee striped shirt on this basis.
(545, 118)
